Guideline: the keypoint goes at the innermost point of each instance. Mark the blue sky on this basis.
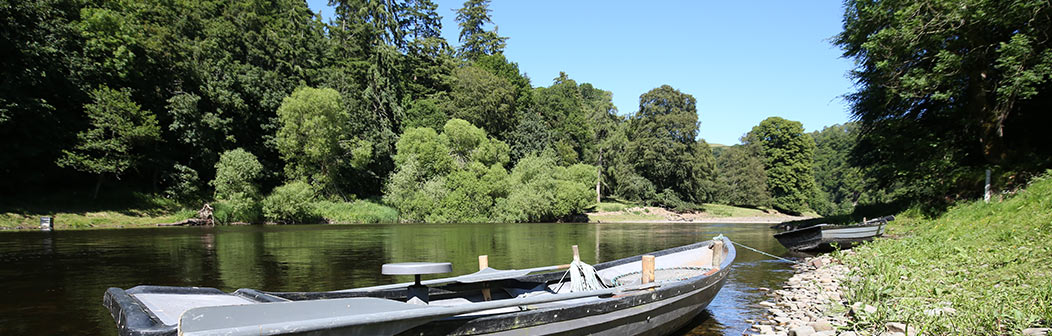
(744, 61)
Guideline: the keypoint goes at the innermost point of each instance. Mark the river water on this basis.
(52, 283)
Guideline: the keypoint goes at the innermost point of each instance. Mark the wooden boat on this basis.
(686, 279)
(823, 237)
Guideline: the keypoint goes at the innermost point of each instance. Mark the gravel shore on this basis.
(810, 304)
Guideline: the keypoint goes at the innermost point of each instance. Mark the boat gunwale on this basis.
(133, 318)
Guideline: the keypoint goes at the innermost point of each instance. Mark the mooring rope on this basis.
(761, 252)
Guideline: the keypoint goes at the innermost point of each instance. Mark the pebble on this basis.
(800, 308)
(801, 331)
(822, 325)
(1036, 331)
(900, 328)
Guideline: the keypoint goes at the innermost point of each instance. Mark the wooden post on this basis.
(717, 253)
(483, 263)
(648, 269)
(576, 253)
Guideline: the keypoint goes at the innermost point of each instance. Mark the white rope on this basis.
(764, 253)
(583, 277)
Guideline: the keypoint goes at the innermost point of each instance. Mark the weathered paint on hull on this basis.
(822, 238)
(655, 318)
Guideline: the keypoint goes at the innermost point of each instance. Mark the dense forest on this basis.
(266, 111)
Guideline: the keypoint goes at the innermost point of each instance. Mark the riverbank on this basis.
(710, 213)
(978, 269)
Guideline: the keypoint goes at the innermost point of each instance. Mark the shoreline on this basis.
(810, 303)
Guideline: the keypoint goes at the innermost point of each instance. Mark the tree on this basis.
(788, 155)
(475, 40)
(119, 131)
(236, 174)
(315, 141)
(840, 183)
(948, 88)
(483, 99)
(663, 146)
(742, 180)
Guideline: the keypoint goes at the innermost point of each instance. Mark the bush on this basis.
(182, 184)
(237, 208)
(236, 173)
(357, 212)
(290, 203)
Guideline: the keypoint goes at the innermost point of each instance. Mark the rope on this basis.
(763, 253)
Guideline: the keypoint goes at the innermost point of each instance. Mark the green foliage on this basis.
(425, 113)
(238, 207)
(119, 131)
(788, 155)
(475, 40)
(483, 99)
(183, 185)
(990, 262)
(236, 175)
(540, 190)
(742, 180)
(459, 176)
(663, 148)
(315, 139)
(840, 185)
(356, 212)
(292, 203)
(947, 89)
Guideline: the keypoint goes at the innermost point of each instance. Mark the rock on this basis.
(764, 329)
(817, 262)
(848, 333)
(802, 331)
(825, 333)
(782, 319)
(763, 289)
(767, 304)
(821, 325)
(896, 327)
(869, 309)
(1036, 331)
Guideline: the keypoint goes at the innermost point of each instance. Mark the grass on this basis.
(79, 211)
(990, 263)
(356, 212)
(723, 210)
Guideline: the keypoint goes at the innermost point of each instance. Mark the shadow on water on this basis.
(61, 276)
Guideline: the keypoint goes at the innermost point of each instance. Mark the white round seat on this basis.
(415, 268)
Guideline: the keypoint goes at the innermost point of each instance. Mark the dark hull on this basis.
(656, 311)
(826, 238)
(660, 313)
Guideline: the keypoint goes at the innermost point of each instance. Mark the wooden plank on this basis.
(483, 264)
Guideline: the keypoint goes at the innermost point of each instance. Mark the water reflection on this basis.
(61, 276)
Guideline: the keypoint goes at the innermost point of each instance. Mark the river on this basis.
(52, 283)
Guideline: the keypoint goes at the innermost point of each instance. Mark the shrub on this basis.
(236, 172)
(290, 203)
(237, 208)
(357, 212)
(182, 184)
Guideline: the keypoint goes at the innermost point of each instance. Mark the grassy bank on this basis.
(73, 211)
(977, 269)
(611, 211)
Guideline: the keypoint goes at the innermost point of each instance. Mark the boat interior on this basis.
(167, 304)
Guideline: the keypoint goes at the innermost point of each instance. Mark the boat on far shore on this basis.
(828, 237)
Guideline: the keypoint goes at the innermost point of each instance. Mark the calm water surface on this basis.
(52, 283)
